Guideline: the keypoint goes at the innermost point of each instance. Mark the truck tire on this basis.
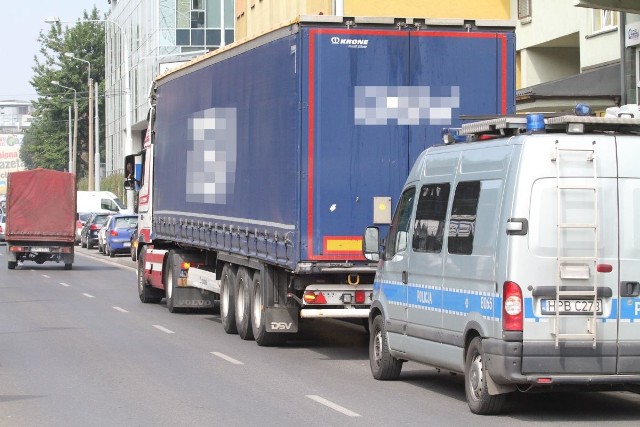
(146, 293)
(475, 386)
(258, 319)
(243, 304)
(11, 265)
(228, 300)
(384, 366)
(169, 277)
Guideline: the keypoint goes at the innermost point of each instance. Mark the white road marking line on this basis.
(121, 310)
(65, 285)
(88, 295)
(333, 406)
(46, 277)
(163, 329)
(227, 358)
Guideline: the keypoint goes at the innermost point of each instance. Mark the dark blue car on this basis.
(118, 233)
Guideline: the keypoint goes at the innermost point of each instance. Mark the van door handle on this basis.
(405, 277)
(629, 289)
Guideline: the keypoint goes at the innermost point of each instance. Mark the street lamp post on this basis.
(128, 143)
(72, 153)
(90, 83)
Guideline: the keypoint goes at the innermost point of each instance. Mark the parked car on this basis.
(118, 233)
(3, 220)
(81, 219)
(102, 238)
(89, 234)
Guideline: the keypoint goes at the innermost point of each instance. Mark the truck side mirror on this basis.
(371, 247)
(130, 184)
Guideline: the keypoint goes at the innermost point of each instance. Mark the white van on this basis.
(515, 259)
(99, 201)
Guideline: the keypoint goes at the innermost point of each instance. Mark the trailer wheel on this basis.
(258, 320)
(145, 292)
(475, 384)
(169, 285)
(227, 299)
(11, 265)
(243, 304)
(384, 366)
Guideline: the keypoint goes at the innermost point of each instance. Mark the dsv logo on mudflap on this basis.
(352, 43)
(281, 326)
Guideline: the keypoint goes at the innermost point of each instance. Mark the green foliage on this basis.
(115, 184)
(46, 142)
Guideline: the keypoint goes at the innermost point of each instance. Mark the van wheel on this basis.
(11, 265)
(243, 304)
(68, 266)
(384, 366)
(228, 300)
(475, 384)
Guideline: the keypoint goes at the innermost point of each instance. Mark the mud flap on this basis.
(493, 388)
(192, 298)
(281, 319)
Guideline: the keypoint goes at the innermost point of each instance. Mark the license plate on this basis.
(571, 306)
(40, 249)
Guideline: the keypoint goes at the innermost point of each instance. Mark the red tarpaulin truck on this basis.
(41, 210)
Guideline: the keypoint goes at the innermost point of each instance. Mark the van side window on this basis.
(428, 229)
(399, 231)
(462, 225)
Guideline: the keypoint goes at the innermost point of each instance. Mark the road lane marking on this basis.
(333, 406)
(163, 329)
(88, 295)
(46, 277)
(227, 358)
(64, 284)
(121, 310)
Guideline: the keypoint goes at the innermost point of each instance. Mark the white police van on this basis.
(515, 259)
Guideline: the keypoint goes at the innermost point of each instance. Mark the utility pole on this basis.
(97, 132)
(90, 158)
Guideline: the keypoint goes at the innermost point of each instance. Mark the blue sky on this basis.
(22, 21)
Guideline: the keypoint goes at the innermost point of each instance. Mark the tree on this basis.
(45, 143)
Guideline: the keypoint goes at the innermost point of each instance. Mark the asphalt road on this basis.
(77, 348)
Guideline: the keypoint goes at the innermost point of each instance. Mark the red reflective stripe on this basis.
(604, 268)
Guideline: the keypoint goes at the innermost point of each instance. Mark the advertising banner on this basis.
(9, 157)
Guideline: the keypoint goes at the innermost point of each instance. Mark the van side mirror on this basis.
(371, 246)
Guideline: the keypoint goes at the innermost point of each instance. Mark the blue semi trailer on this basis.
(265, 160)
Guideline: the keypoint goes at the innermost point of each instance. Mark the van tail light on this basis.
(512, 307)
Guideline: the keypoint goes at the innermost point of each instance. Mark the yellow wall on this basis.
(257, 16)
(467, 9)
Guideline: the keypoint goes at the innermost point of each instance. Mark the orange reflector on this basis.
(360, 296)
(544, 380)
(185, 265)
(311, 297)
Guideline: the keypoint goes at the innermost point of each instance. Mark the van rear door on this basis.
(572, 258)
(629, 302)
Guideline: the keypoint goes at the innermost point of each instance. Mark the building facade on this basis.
(570, 52)
(15, 116)
(158, 34)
